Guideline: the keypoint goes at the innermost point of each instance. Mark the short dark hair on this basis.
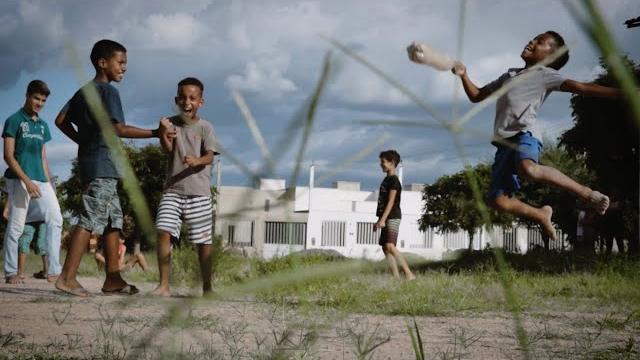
(192, 81)
(38, 87)
(390, 155)
(104, 49)
(562, 60)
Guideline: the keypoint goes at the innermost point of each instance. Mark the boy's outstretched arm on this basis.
(132, 132)
(63, 123)
(474, 93)
(590, 89)
(206, 159)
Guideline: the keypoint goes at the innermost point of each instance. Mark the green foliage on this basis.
(449, 204)
(149, 164)
(605, 133)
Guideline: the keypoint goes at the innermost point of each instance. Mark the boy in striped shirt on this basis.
(187, 194)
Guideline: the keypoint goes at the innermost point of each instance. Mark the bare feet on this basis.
(52, 278)
(546, 224)
(411, 277)
(599, 202)
(14, 280)
(161, 291)
(71, 287)
(21, 276)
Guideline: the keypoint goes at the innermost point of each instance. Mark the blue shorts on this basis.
(504, 171)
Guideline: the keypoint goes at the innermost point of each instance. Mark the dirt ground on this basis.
(36, 319)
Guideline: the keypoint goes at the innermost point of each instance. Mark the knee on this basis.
(529, 170)
(500, 203)
(388, 248)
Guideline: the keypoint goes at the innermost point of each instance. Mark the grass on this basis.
(470, 284)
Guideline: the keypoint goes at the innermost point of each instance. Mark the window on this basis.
(333, 233)
(232, 234)
(240, 233)
(365, 234)
(425, 239)
(287, 233)
(456, 240)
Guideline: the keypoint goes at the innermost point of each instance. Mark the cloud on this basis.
(179, 32)
(29, 35)
(265, 76)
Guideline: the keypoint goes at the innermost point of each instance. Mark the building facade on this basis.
(272, 220)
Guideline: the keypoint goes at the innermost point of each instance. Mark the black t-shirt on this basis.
(389, 183)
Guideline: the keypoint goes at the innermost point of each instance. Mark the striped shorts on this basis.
(197, 212)
(389, 233)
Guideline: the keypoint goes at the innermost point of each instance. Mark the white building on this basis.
(271, 220)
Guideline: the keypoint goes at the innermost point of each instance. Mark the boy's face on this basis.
(386, 165)
(537, 49)
(114, 67)
(34, 103)
(189, 100)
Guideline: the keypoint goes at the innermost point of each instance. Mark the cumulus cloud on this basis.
(272, 52)
(265, 75)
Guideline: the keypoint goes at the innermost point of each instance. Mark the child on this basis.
(389, 213)
(187, 191)
(28, 187)
(515, 136)
(31, 229)
(101, 211)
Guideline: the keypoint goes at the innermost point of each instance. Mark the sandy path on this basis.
(39, 319)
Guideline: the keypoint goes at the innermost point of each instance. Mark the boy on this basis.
(28, 187)
(37, 229)
(389, 213)
(515, 136)
(101, 211)
(187, 192)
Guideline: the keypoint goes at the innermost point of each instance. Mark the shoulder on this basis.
(205, 124)
(16, 117)
(107, 90)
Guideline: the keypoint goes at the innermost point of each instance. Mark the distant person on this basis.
(27, 182)
(389, 214)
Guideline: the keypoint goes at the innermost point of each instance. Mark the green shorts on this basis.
(30, 231)
(101, 206)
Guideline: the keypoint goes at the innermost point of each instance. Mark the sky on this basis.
(272, 53)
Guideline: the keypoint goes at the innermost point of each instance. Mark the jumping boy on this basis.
(101, 211)
(187, 192)
(516, 138)
(28, 187)
(389, 213)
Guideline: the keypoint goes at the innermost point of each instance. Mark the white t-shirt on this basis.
(516, 110)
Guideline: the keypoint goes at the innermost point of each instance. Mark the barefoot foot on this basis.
(14, 280)
(546, 224)
(161, 291)
(599, 202)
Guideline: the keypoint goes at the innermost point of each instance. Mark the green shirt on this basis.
(30, 136)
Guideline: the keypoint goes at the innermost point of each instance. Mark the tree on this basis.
(565, 205)
(606, 134)
(149, 163)
(449, 204)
